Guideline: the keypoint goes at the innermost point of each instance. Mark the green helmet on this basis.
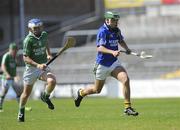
(13, 46)
(111, 15)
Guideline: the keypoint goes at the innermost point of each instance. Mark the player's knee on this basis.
(125, 79)
(25, 95)
(52, 81)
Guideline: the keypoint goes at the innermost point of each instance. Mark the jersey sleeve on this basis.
(26, 47)
(101, 39)
(45, 37)
(5, 59)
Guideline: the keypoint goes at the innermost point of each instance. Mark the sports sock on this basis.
(2, 96)
(127, 104)
(81, 93)
(21, 109)
(1, 100)
(46, 93)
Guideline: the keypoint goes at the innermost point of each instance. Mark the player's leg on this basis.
(120, 74)
(101, 72)
(29, 78)
(51, 83)
(18, 90)
(5, 88)
(23, 100)
(92, 89)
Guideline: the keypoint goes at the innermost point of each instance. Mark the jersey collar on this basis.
(105, 26)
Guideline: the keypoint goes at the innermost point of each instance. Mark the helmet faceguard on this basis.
(35, 26)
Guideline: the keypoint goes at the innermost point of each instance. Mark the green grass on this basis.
(94, 114)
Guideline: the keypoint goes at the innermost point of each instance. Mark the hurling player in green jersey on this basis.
(9, 77)
(8, 67)
(35, 54)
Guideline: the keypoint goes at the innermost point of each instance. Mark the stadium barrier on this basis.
(157, 88)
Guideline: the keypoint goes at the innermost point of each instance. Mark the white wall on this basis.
(139, 89)
(155, 88)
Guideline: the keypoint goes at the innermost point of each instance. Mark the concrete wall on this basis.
(145, 28)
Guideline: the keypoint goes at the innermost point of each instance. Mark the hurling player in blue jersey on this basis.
(107, 63)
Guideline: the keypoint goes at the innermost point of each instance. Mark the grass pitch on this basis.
(94, 114)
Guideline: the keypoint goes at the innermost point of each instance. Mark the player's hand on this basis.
(8, 76)
(49, 57)
(128, 51)
(16, 79)
(41, 66)
(116, 53)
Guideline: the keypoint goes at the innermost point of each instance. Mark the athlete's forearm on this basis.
(30, 61)
(124, 45)
(48, 52)
(104, 50)
(4, 69)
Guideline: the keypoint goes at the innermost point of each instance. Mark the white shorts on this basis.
(10, 83)
(102, 72)
(31, 74)
(7, 83)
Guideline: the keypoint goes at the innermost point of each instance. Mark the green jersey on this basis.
(10, 63)
(35, 48)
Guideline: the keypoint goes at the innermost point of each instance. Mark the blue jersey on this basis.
(110, 40)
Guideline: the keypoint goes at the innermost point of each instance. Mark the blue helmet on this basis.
(34, 23)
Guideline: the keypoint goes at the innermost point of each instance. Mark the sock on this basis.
(1, 100)
(81, 93)
(2, 96)
(127, 104)
(46, 93)
(21, 110)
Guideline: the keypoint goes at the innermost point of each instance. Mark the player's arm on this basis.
(124, 45)
(107, 51)
(4, 69)
(48, 52)
(28, 60)
(101, 45)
